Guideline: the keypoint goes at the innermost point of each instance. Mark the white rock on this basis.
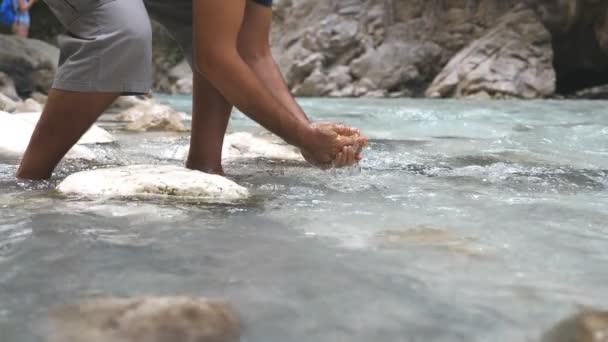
(149, 319)
(15, 133)
(243, 145)
(153, 181)
(28, 106)
(7, 104)
(95, 135)
(152, 116)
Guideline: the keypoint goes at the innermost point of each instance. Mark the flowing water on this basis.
(467, 221)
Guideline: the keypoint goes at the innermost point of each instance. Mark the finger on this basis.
(350, 160)
(345, 141)
(345, 130)
(339, 161)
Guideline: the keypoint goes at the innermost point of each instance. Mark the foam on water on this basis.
(467, 221)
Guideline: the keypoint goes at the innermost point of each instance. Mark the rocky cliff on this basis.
(436, 48)
(497, 48)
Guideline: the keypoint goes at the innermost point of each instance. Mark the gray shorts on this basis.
(107, 46)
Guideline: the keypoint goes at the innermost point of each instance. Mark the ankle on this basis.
(24, 174)
(211, 168)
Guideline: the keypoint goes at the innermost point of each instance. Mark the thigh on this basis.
(107, 47)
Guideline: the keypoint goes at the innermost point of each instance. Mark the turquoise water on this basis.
(467, 221)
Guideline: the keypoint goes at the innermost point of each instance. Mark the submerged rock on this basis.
(16, 131)
(589, 326)
(425, 236)
(512, 60)
(162, 319)
(153, 181)
(152, 116)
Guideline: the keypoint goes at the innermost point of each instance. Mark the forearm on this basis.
(269, 73)
(241, 86)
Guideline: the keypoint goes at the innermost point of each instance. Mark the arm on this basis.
(254, 48)
(216, 27)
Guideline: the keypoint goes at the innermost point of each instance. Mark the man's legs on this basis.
(210, 117)
(107, 52)
(210, 110)
(66, 117)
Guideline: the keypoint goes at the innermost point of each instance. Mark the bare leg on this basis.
(66, 117)
(210, 116)
(21, 30)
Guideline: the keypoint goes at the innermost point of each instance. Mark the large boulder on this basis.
(153, 181)
(512, 60)
(16, 131)
(396, 64)
(149, 319)
(150, 115)
(30, 63)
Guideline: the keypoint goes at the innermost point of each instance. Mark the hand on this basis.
(332, 145)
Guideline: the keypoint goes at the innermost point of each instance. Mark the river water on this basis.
(467, 221)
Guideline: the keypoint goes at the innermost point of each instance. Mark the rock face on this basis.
(16, 131)
(374, 47)
(145, 319)
(30, 63)
(512, 60)
(152, 116)
(145, 181)
(397, 47)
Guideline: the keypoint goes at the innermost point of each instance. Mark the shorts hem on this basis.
(126, 89)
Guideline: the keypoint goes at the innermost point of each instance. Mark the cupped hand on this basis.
(333, 145)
